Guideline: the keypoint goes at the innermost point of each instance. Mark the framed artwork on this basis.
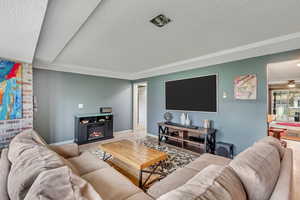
(245, 87)
(10, 90)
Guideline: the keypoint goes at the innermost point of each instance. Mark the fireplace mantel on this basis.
(93, 127)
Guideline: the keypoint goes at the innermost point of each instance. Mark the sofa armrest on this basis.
(284, 187)
(4, 171)
(66, 150)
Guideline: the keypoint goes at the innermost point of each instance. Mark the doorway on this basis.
(140, 108)
(284, 99)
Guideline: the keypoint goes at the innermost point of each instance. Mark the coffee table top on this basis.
(134, 154)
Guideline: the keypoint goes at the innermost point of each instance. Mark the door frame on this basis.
(136, 105)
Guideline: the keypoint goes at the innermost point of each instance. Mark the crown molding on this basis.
(277, 82)
(266, 47)
(80, 70)
(283, 82)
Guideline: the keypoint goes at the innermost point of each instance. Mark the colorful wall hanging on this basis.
(10, 90)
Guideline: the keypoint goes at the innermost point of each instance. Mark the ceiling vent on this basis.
(160, 20)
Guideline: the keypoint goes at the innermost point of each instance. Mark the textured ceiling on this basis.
(117, 39)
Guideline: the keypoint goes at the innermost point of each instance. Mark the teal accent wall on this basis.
(58, 95)
(241, 122)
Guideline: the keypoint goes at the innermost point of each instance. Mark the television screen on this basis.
(194, 94)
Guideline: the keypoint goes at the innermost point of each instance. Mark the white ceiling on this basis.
(115, 38)
(283, 71)
(63, 19)
(21, 22)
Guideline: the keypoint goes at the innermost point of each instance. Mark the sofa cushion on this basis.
(28, 166)
(207, 159)
(258, 168)
(70, 165)
(61, 183)
(66, 150)
(37, 137)
(27, 139)
(171, 182)
(274, 142)
(284, 186)
(215, 182)
(4, 171)
(110, 184)
(19, 144)
(87, 162)
(182, 175)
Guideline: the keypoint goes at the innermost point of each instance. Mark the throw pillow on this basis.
(258, 168)
(61, 183)
(274, 142)
(19, 144)
(215, 182)
(26, 168)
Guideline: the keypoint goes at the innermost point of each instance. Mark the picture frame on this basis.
(245, 87)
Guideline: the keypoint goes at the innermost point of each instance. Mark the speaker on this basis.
(224, 149)
(106, 110)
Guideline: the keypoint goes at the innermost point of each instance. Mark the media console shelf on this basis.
(201, 138)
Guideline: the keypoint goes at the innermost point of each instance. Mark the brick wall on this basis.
(9, 128)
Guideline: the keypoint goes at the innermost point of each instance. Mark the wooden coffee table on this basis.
(138, 156)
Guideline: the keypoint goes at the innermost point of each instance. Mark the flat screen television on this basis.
(194, 94)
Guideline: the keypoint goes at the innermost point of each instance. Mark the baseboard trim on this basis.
(117, 133)
(63, 142)
(151, 135)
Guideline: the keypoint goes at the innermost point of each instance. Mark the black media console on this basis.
(93, 127)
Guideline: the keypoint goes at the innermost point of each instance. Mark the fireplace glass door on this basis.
(95, 131)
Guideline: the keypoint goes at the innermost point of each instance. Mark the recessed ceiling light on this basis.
(298, 64)
(160, 20)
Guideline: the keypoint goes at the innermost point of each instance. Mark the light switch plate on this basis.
(80, 106)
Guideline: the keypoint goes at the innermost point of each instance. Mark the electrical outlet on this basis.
(80, 106)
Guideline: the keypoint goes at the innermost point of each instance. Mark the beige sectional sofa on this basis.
(264, 170)
(30, 169)
(35, 170)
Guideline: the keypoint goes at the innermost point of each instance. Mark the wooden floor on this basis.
(293, 138)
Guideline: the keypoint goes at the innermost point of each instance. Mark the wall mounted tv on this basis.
(194, 94)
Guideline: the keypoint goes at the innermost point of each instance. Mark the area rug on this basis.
(177, 157)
